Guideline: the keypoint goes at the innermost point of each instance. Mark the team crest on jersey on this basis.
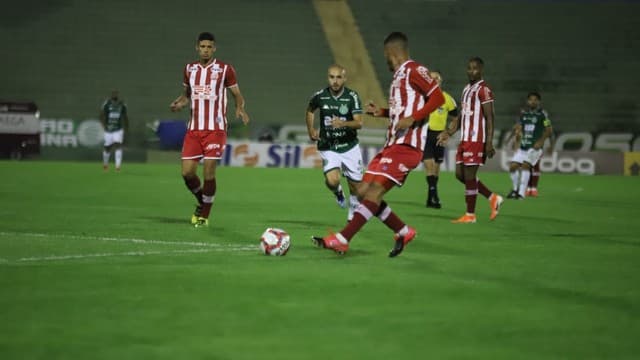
(344, 109)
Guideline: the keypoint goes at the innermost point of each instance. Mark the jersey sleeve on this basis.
(185, 76)
(449, 104)
(230, 77)
(421, 81)
(485, 95)
(357, 105)
(314, 102)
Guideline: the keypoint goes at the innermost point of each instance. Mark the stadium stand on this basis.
(67, 56)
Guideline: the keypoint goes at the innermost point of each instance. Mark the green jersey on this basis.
(533, 122)
(114, 114)
(342, 106)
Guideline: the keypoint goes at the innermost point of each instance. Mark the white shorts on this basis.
(531, 156)
(113, 137)
(350, 162)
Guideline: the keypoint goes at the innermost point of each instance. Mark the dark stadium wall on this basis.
(68, 55)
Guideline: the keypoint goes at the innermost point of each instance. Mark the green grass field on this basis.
(100, 265)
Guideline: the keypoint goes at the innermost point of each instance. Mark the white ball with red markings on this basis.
(275, 242)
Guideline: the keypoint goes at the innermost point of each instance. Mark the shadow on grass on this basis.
(166, 220)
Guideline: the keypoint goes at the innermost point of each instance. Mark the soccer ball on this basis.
(275, 242)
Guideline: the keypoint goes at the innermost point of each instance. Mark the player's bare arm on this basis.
(356, 123)
(552, 140)
(373, 110)
(313, 133)
(444, 136)
(488, 110)
(103, 120)
(239, 99)
(181, 101)
(546, 134)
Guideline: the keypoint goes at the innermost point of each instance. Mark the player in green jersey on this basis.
(337, 139)
(532, 129)
(114, 119)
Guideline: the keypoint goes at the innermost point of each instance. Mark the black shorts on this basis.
(431, 150)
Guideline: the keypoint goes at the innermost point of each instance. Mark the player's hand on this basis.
(240, 113)
(372, 108)
(404, 123)
(537, 145)
(443, 138)
(313, 134)
(489, 150)
(336, 122)
(176, 105)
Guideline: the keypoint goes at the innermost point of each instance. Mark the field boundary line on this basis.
(130, 240)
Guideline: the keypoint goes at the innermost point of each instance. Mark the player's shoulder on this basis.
(320, 92)
(418, 68)
(350, 92)
(221, 64)
(484, 84)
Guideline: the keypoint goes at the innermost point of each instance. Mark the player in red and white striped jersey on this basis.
(476, 141)
(413, 95)
(205, 88)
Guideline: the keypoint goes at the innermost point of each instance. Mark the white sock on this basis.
(106, 155)
(524, 180)
(341, 238)
(118, 158)
(514, 180)
(404, 231)
(353, 205)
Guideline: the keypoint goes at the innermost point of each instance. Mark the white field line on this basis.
(202, 247)
(99, 255)
(231, 247)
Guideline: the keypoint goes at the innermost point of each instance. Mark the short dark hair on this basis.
(397, 37)
(206, 36)
(534, 93)
(477, 60)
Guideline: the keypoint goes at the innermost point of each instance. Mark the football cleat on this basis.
(196, 214)
(495, 201)
(465, 219)
(532, 192)
(331, 242)
(341, 200)
(401, 241)
(317, 241)
(434, 204)
(105, 168)
(514, 194)
(201, 222)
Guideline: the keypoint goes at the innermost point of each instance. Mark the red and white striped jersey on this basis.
(473, 120)
(207, 86)
(410, 88)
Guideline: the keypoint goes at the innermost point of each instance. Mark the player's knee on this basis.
(332, 180)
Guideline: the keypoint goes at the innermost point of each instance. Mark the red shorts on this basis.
(393, 163)
(470, 153)
(204, 143)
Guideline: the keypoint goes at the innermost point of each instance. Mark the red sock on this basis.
(483, 189)
(208, 194)
(470, 195)
(389, 218)
(535, 175)
(193, 184)
(363, 213)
